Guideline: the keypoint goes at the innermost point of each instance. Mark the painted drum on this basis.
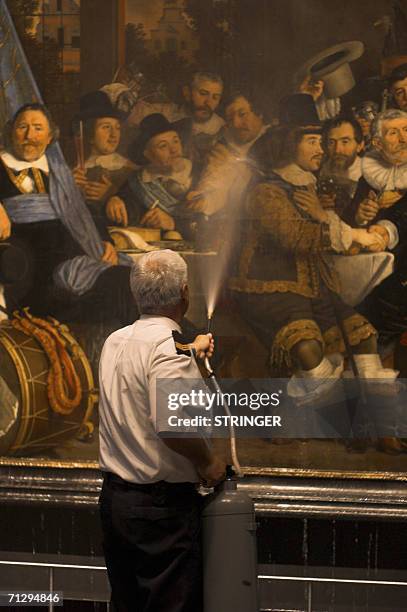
(27, 420)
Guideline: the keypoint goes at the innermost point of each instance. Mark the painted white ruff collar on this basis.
(355, 170)
(296, 176)
(18, 165)
(382, 175)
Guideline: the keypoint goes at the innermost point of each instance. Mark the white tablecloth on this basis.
(360, 274)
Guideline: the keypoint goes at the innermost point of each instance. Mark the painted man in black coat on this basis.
(72, 273)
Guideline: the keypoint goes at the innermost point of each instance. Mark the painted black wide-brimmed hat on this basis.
(97, 104)
(298, 111)
(150, 126)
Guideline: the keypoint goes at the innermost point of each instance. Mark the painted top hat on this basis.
(332, 66)
(96, 104)
(150, 126)
(298, 111)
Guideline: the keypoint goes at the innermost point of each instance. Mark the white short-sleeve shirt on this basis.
(133, 358)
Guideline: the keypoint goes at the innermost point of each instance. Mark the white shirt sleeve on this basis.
(339, 232)
(393, 232)
(174, 385)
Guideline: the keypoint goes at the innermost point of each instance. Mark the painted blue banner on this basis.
(17, 84)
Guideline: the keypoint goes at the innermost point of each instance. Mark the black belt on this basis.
(161, 486)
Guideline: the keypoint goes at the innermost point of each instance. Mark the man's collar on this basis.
(183, 177)
(210, 127)
(155, 319)
(242, 149)
(18, 165)
(112, 161)
(295, 175)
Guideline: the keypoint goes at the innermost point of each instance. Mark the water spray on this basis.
(212, 377)
(228, 520)
(209, 321)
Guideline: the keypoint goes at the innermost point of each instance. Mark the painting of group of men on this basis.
(312, 199)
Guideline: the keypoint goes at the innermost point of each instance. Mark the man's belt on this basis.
(160, 486)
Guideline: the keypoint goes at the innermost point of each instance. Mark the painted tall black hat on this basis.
(298, 110)
(96, 104)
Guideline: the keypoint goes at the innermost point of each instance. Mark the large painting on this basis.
(264, 140)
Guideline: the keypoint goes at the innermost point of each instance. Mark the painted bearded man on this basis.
(71, 274)
(342, 140)
(201, 126)
(285, 285)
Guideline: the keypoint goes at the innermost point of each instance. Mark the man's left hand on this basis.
(204, 346)
(110, 255)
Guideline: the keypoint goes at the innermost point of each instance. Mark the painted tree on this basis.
(215, 23)
(135, 44)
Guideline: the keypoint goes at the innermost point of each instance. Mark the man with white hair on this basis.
(150, 508)
(384, 170)
(381, 203)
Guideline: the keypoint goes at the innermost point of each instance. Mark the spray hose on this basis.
(232, 433)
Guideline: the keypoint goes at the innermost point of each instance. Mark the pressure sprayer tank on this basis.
(230, 552)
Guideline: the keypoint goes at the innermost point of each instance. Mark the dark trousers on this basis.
(152, 545)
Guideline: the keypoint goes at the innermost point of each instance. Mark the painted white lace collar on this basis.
(295, 175)
(113, 161)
